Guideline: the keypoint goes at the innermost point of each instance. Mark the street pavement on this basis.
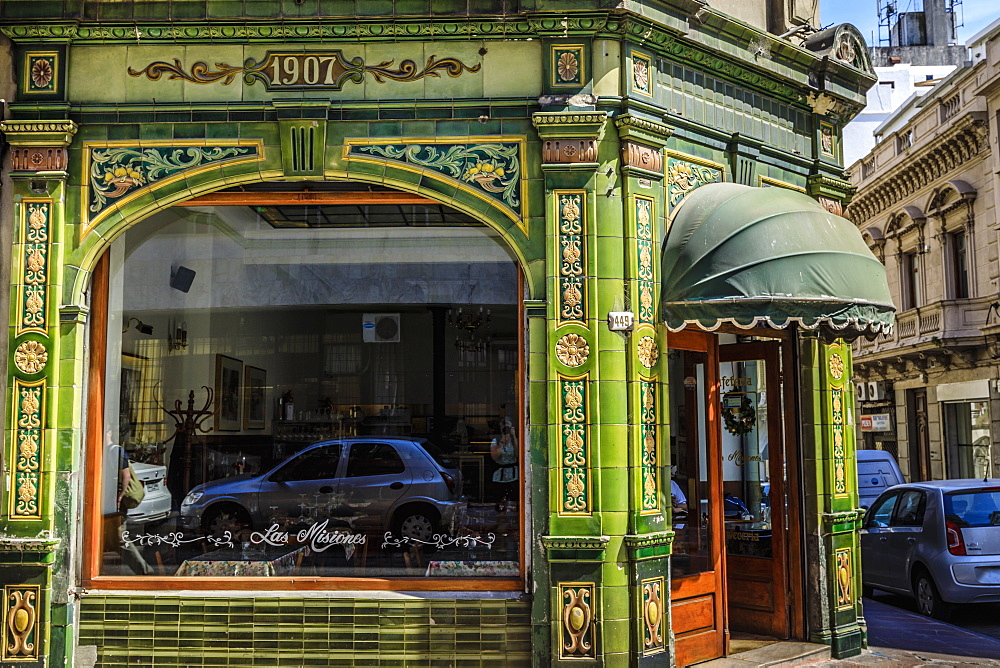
(900, 638)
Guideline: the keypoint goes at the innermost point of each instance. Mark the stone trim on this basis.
(967, 139)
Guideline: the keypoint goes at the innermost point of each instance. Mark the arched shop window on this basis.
(317, 390)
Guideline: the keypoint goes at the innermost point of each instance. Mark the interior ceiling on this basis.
(366, 207)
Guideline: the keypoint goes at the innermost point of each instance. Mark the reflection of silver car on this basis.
(937, 541)
(155, 505)
(404, 485)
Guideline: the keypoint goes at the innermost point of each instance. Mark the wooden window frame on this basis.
(93, 528)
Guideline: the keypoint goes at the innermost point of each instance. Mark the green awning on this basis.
(769, 256)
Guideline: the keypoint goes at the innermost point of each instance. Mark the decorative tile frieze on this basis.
(684, 174)
(571, 212)
(25, 502)
(39, 159)
(21, 623)
(576, 632)
(650, 453)
(119, 171)
(642, 157)
(652, 608)
(837, 371)
(33, 285)
(569, 151)
(574, 445)
(568, 65)
(310, 70)
(845, 578)
(488, 167)
(644, 216)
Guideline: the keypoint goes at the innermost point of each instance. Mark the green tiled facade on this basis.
(602, 122)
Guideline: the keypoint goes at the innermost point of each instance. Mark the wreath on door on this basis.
(738, 413)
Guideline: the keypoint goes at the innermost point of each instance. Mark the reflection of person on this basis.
(677, 499)
(503, 450)
(131, 555)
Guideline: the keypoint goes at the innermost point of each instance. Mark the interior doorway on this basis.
(734, 564)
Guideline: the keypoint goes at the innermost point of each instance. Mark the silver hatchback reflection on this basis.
(937, 541)
(403, 485)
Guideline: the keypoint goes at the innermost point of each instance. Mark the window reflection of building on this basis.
(307, 312)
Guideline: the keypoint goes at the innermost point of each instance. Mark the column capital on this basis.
(569, 138)
(39, 147)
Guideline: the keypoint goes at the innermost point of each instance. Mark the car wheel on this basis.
(226, 517)
(417, 524)
(929, 601)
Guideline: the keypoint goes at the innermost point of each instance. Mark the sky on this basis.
(977, 14)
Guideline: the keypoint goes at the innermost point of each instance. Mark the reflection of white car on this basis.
(156, 504)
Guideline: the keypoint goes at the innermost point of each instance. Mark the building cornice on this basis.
(967, 138)
(786, 73)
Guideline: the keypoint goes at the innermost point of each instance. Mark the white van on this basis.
(877, 471)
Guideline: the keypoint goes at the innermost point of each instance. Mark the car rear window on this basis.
(435, 452)
(980, 508)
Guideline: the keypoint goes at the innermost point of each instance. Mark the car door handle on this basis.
(882, 539)
(396, 485)
(911, 539)
(325, 489)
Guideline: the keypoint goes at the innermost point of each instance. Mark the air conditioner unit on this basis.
(861, 391)
(380, 328)
(876, 390)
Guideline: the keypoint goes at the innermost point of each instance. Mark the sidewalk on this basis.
(896, 638)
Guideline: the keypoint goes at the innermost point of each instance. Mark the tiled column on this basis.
(831, 514)
(585, 374)
(37, 452)
(649, 537)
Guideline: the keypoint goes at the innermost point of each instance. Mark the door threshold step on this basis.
(774, 655)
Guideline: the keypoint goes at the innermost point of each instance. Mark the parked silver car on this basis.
(403, 485)
(937, 541)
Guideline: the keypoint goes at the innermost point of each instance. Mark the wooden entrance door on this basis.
(697, 569)
(753, 463)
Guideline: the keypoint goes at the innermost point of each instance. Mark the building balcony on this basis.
(947, 331)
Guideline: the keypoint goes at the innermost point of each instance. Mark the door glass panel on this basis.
(689, 463)
(746, 481)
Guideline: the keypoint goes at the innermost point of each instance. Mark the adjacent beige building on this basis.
(927, 205)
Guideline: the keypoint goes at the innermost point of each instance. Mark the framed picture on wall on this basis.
(228, 392)
(254, 384)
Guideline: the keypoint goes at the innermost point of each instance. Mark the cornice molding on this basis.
(38, 133)
(965, 140)
(668, 41)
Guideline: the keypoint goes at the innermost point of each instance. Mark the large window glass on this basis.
(321, 390)
(967, 428)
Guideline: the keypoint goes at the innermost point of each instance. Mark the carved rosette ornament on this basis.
(836, 366)
(577, 620)
(648, 351)
(31, 357)
(21, 622)
(652, 615)
(572, 350)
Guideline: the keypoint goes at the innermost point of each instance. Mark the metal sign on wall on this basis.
(876, 422)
